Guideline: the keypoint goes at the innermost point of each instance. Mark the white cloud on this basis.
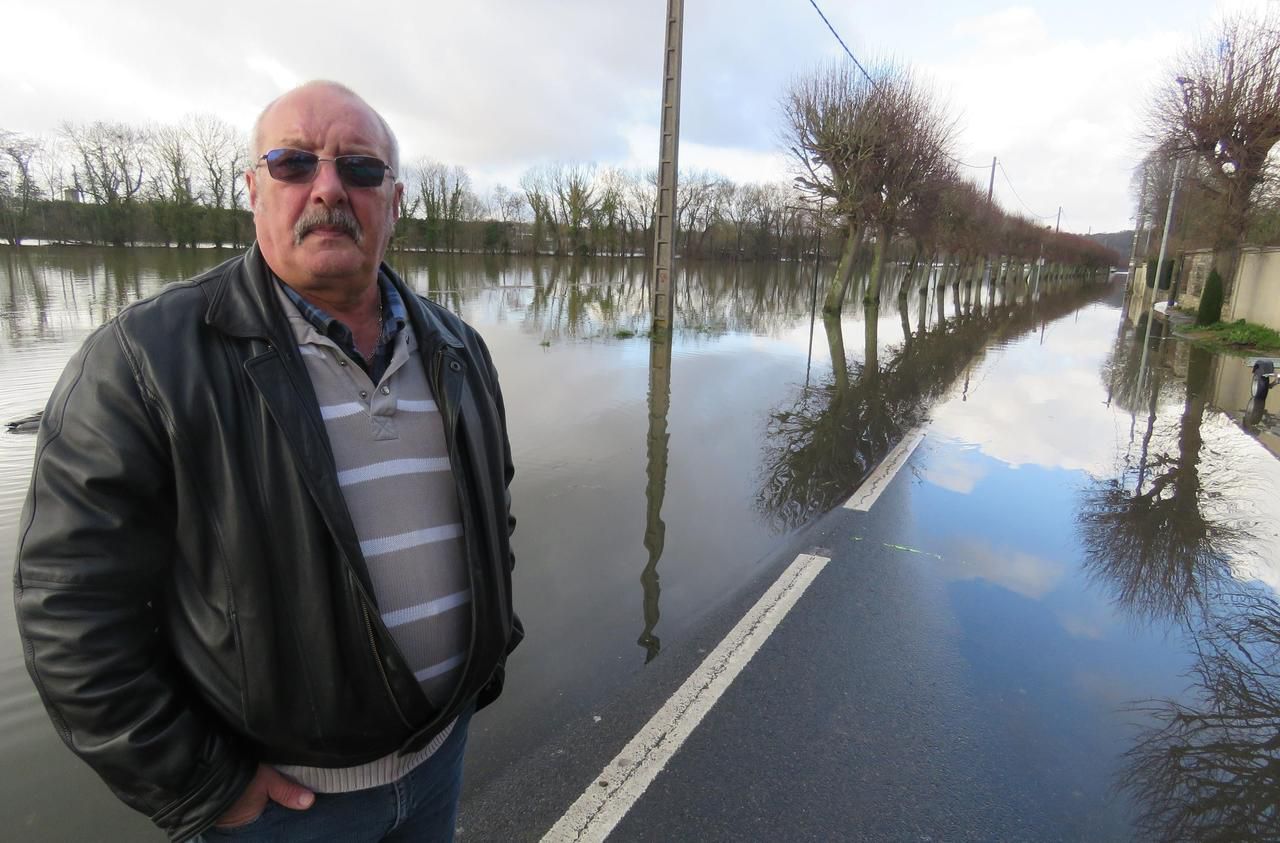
(1022, 573)
(497, 85)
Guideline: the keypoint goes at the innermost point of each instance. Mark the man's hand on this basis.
(266, 785)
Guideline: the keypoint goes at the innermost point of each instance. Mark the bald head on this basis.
(393, 146)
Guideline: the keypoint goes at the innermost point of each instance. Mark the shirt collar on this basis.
(394, 313)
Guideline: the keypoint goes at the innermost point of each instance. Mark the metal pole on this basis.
(991, 186)
(1155, 286)
(664, 231)
(813, 304)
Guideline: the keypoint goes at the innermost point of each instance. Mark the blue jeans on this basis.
(421, 807)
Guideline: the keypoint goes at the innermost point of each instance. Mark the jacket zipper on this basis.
(386, 681)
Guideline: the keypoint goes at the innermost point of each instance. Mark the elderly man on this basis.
(264, 571)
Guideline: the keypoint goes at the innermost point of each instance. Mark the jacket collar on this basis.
(242, 304)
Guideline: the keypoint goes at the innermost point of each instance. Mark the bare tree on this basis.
(913, 158)
(833, 129)
(18, 190)
(538, 194)
(867, 146)
(172, 185)
(110, 167)
(220, 157)
(694, 204)
(574, 200)
(1222, 104)
(640, 204)
(446, 200)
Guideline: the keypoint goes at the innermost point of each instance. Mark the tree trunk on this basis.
(834, 302)
(872, 295)
(835, 343)
(871, 340)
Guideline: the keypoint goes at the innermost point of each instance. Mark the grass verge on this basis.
(1238, 336)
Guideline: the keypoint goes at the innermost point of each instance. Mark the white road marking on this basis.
(621, 784)
(869, 492)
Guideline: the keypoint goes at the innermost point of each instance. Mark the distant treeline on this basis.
(183, 185)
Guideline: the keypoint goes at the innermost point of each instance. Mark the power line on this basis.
(841, 40)
(956, 160)
(1025, 206)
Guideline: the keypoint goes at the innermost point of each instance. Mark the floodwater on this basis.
(1108, 530)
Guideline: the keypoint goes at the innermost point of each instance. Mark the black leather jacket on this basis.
(189, 586)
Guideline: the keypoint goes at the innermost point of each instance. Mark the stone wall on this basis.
(1195, 271)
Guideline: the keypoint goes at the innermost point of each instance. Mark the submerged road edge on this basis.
(624, 779)
(869, 492)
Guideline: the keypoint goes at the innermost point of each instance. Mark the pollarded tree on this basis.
(1223, 105)
(834, 128)
(914, 156)
(870, 146)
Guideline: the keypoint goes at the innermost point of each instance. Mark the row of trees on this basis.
(1218, 115)
(182, 184)
(116, 183)
(875, 151)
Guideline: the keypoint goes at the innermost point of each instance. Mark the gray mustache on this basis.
(339, 218)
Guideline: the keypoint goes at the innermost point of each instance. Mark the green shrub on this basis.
(1210, 311)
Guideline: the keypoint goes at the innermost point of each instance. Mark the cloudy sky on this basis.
(1054, 90)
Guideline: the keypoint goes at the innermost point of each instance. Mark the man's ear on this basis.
(250, 179)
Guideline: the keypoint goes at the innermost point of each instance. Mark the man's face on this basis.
(323, 235)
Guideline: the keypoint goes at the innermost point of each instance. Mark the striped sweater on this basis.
(392, 463)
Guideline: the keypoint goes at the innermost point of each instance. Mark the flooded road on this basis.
(1096, 535)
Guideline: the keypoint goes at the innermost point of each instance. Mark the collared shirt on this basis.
(394, 318)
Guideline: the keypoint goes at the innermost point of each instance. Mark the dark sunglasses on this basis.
(297, 166)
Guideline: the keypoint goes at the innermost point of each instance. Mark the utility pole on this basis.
(664, 229)
(991, 186)
(1155, 285)
(1133, 254)
(1057, 226)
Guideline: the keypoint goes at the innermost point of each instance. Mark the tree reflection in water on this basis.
(821, 447)
(1148, 531)
(1159, 534)
(1211, 771)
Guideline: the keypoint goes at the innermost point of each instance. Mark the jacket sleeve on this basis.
(95, 540)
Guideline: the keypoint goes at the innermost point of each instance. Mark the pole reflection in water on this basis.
(657, 446)
(1162, 537)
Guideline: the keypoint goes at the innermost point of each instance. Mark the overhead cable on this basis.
(956, 160)
(841, 40)
(1025, 206)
